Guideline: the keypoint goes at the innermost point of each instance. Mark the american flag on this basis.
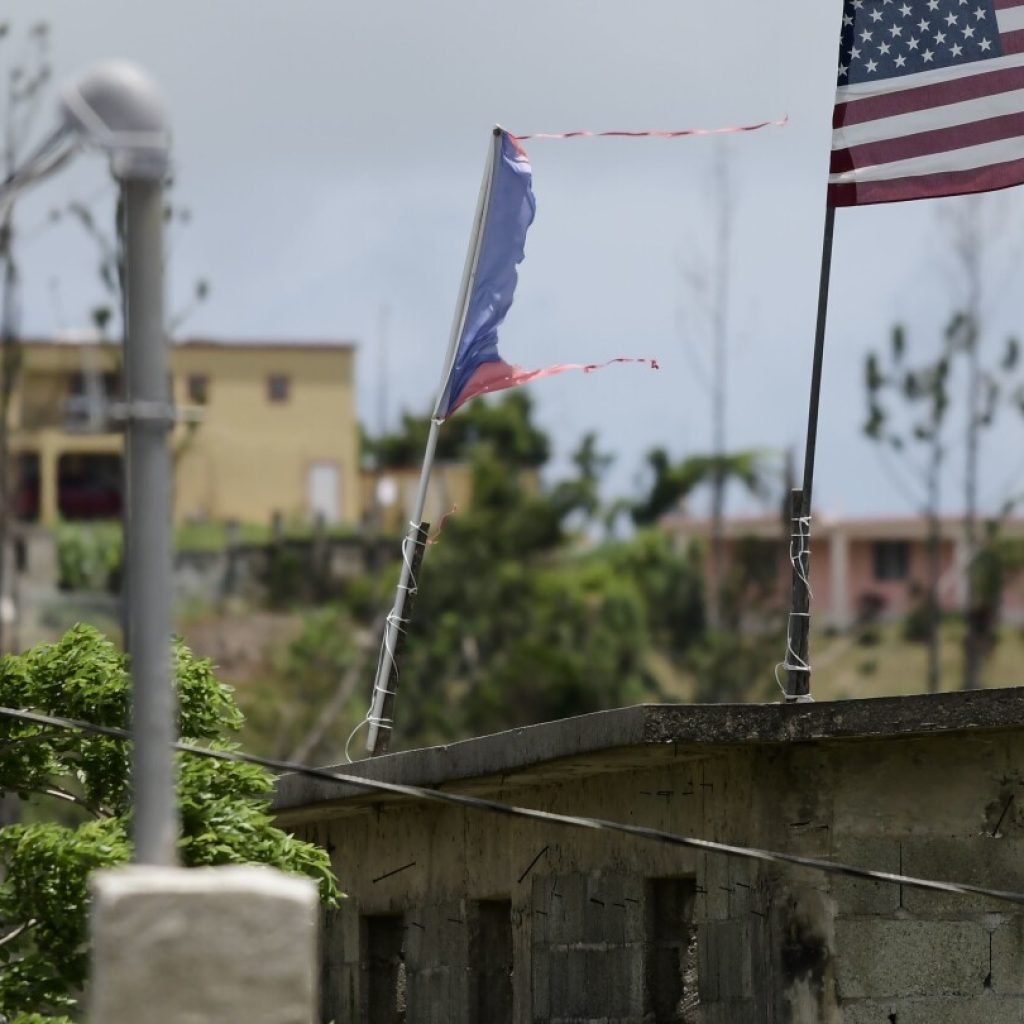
(930, 100)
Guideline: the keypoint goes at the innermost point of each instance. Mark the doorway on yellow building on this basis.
(89, 486)
(323, 491)
(26, 487)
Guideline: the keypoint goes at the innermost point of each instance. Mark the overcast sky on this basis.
(330, 152)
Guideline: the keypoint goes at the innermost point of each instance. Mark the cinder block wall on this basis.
(588, 929)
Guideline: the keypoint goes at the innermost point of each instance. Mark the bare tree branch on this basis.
(18, 932)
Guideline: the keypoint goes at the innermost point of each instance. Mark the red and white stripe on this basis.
(675, 133)
(935, 133)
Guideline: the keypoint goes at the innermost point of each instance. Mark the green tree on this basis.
(45, 864)
(300, 713)
(673, 482)
(907, 407)
(732, 649)
(505, 425)
(514, 623)
(26, 81)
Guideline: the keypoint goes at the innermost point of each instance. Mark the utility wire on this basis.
(547, 817)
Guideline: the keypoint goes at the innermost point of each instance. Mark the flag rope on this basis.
(655, 133)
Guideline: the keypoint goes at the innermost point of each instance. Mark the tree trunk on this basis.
(972, 640)
(934, 571)
(10, 361)
(719, 390)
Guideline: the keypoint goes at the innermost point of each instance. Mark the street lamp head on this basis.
(116, 107)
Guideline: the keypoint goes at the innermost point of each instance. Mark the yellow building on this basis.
(389, 495)
(270, 428)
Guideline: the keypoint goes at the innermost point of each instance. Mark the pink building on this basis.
(859, 566)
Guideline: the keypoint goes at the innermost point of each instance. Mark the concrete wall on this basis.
(317, 567)
(591, 914)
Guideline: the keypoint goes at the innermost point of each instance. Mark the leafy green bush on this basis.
(917, 623)
(45, 866)
(89, 557)
(309, 670)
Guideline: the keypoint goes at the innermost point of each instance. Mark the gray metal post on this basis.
(117, 109)
(149, 418)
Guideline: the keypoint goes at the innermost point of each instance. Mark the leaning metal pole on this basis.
(386, 678)
(798, 629)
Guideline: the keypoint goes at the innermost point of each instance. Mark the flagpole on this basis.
(386, 681)
(798, 629)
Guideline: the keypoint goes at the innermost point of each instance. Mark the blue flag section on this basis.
(510, 211)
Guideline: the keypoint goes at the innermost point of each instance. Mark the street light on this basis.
(116, 109)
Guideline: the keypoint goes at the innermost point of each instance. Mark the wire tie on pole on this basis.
(162, 414)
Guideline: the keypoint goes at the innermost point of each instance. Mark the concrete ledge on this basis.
(203, 946)
(681, 729)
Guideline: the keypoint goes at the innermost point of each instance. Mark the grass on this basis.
(211, 536)
(852, 665)
(875, 662)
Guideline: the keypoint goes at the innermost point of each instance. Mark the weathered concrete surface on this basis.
(911, 958)
(232, 945)
(612, 740)
(932, 785)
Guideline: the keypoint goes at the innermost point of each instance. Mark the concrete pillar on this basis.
(839, 556)
(961, 563)
(49, 511)
(203, 946)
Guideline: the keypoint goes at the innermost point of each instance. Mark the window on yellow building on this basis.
(107, 383)
(278, 387)
(198, 386)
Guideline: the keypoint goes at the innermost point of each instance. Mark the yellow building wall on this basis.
(249, 457)
(245, 457)
(388, 496)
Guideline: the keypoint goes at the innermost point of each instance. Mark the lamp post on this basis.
(116, 109)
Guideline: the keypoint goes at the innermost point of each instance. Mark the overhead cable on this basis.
(546, 817)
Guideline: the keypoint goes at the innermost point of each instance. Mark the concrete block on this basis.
(568, 984)
(883, 959)
(980, 860)
(599, 916)
(855, 897)
(717, 894)
(333, 967)
(203, 946)
(708, 968)
(540, 982)
(1008, 958)
(436, 951)
(729, 945)
(567, 908)
(943, 787)
(983, 1009)
(732, 1012)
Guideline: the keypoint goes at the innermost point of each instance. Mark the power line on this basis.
(547, 817)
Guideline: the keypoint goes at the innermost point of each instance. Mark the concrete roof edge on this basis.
(695, 725)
